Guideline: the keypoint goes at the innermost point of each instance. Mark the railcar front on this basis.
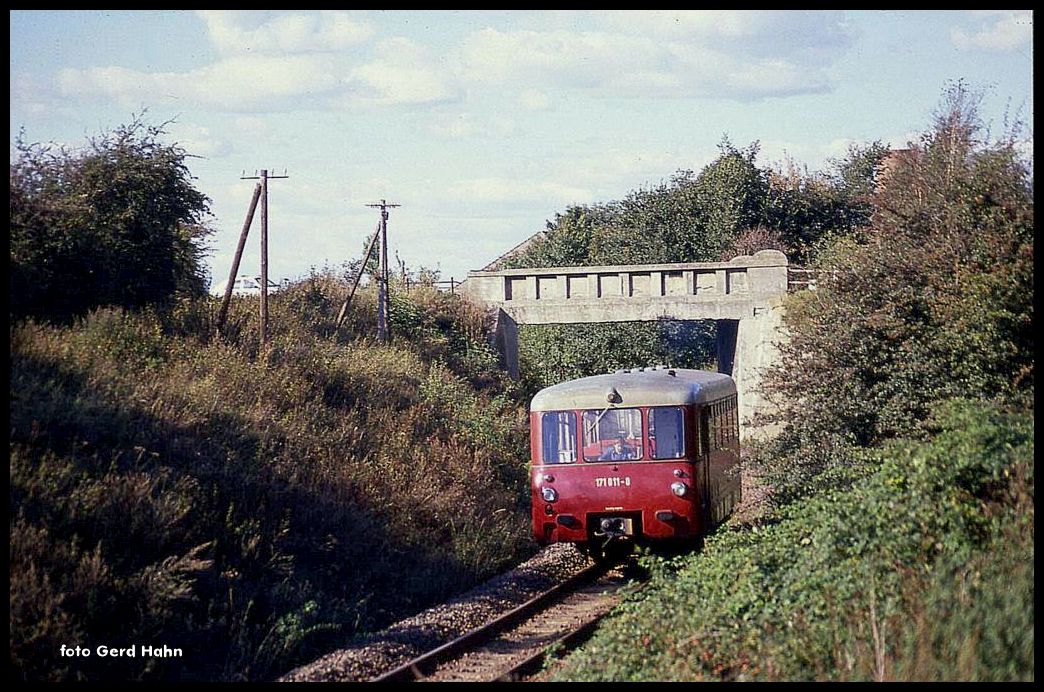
(621, 458)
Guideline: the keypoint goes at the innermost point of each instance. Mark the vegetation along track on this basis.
(514, 645)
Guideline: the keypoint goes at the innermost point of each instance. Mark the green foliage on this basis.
(553, 353)
(730, 194)
(690, 218)
(900, 542)
(118, 223)
(922, 570)
(806, 210)
(936, 303)
(700, 217)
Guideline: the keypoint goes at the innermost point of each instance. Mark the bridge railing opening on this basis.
(800, 278)
(450, 285)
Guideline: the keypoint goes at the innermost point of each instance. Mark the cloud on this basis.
(286, 33)
(403, 72)
(457, 126)
(1009, 30)
(687, 23)
(564, 58)
(611, 171)
(239, 83)
(738, 55)
(252, 126)
(534, 100)
(570, 177)
(32, 96)
(288, 62)
(199, 140)
(325, 61)
(269, 83)
(510, 190)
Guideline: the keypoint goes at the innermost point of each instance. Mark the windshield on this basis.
(558, 437)
(666, 433)
(612, 435)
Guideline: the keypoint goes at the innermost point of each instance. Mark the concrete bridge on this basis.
(744, 296)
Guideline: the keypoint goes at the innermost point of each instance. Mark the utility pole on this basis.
(264, 177)
(383, 300)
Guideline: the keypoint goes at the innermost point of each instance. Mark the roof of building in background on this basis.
(517, 250)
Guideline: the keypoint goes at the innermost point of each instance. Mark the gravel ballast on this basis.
(377, 653)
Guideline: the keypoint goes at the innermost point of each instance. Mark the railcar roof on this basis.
(637, 387)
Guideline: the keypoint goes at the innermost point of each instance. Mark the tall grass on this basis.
(252, 506)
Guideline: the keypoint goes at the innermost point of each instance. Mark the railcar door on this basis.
(703, 467)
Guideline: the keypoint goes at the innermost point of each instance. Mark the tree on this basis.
(806, 209)
(118, 223)
(730, 207)
(730, 196)
(935, 302)
(689, 218)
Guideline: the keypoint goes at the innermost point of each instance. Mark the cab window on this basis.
(666, 432)
(613, 435)
(558, 437)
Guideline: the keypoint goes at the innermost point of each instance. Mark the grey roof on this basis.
(659, 386)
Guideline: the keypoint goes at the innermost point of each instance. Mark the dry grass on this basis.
(251, 507)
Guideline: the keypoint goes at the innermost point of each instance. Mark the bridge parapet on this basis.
(618, 293)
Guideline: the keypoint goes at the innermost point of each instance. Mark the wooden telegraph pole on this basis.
(264, 177)
(383, 300)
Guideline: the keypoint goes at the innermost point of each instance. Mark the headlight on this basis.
(679, 488)
(548, 494)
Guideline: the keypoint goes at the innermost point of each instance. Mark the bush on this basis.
(922, 571)
(936, 303)
(118, 223)
(900, 544)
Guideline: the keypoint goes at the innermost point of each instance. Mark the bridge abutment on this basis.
(756, 349)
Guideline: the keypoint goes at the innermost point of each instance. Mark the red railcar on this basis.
(643, 455)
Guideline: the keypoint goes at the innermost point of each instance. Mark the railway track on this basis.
(513, 646)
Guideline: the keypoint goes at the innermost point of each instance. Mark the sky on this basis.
(483, 125)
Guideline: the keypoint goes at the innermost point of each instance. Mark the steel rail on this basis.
(423, 665)
(566, 642)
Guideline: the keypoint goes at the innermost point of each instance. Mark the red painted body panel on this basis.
(638, 489)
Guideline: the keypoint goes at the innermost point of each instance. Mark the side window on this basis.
(704, 433)
(613, 434)
(731, 420)
(666, 433)
(558, 437)
(715, 419)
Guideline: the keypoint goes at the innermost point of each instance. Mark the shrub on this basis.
(936, 303)
(118, 223)
(922, 570)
